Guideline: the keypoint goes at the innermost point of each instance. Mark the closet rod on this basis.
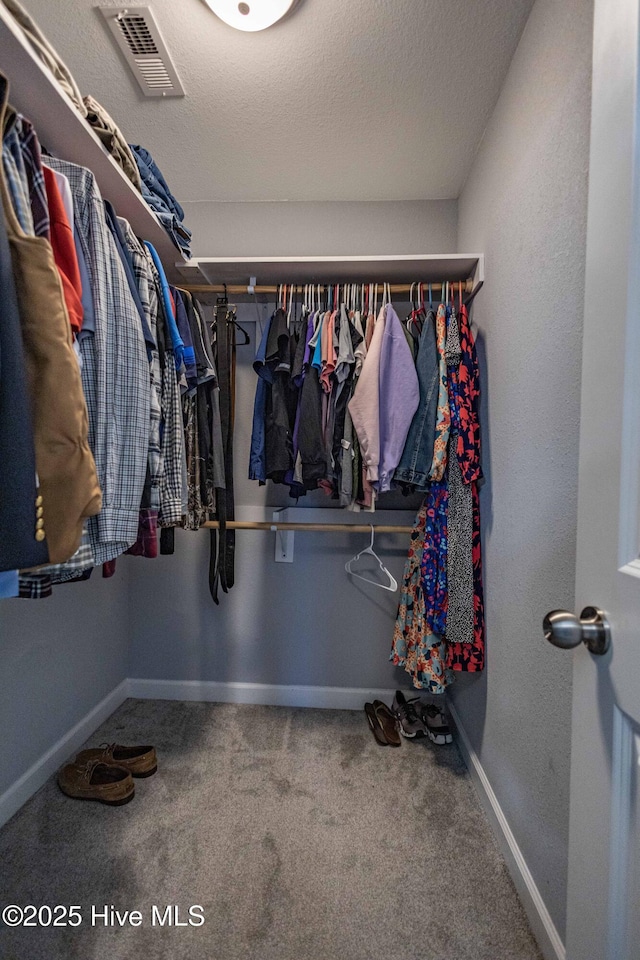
(312, 527)
(237, 290)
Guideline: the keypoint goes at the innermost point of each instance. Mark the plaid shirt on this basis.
(23, 168)
(173, 482)
(34, 586)
(149, 298)
(16, 178)
(115, 375)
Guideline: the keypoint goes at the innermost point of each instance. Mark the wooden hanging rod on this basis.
(311, 527)
(234, 290)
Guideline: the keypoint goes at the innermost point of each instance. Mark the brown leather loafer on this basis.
(388, 722)
(374, 725)
(139, 761)
(97, 781)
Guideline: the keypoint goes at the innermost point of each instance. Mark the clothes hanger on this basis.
(413, 317)
(413, 311)
(231, 318)
(392, 585)
(290, 306)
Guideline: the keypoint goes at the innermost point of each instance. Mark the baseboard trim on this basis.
(543, 927)
(329, 698)
(38, 774)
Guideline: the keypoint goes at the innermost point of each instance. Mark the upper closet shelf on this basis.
(37, 94)
(375, 269)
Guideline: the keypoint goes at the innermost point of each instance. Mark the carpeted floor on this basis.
(301, 838)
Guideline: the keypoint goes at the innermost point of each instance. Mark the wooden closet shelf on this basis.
(310, 527)
(394, 269)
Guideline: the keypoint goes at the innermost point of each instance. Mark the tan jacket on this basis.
(68, 483)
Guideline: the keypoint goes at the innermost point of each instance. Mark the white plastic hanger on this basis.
(392, 585)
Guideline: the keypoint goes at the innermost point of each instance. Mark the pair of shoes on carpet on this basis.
(417, 718)
(106, 773)
(382, 723)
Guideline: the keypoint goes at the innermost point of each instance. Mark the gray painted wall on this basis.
(524, 205)
(60, 657)
(282, 229)
(300, 623)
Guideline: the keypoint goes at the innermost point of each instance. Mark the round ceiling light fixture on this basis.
(251, 15)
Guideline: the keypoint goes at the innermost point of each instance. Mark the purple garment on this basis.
(399, 397)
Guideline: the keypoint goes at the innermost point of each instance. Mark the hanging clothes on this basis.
(330, 412)
(68, 483)
(64, 251)
(443, 416)
(417, 457)
(115, 374)
(364, 406)
(460, 519)
(399, 394)
(20, 507)
(440, 622)
(415, 647)
(110, 412)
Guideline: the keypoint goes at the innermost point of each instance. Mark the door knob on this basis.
(566, 630)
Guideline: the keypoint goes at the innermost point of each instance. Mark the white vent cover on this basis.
(138, 36)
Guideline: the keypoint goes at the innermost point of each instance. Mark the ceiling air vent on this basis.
(139, 38)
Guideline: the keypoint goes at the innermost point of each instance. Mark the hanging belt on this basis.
(221, 557)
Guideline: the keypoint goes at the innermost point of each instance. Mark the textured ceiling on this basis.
(344, 100)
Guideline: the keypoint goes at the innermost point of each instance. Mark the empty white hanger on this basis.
(392, 585)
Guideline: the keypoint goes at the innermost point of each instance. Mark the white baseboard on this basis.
(542, 925)
(30, 781)
(331, 698)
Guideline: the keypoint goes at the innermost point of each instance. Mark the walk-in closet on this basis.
(319, 478)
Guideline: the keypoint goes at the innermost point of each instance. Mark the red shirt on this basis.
(64, 251)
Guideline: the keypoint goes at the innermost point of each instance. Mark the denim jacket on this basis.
(156, 192)
(415, 462)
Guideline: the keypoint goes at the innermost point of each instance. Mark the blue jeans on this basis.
(415, 462)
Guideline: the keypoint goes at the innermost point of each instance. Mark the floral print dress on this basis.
(415, 647)
(469, 657)
(420, 642)
(443, 416)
